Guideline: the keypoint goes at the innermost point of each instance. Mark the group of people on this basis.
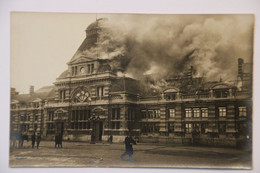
(129, 141)
(19, 138)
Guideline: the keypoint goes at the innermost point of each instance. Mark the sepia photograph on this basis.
(131, 90)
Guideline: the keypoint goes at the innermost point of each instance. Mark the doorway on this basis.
(59, 128)
(98, 130)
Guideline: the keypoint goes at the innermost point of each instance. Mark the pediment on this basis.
(37, 100)
(171, 90)
(81, 59)
(221, 86)
(14, 101)
(60, 111)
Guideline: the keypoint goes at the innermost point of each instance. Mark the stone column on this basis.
(31, 128)
(45, 118)
(230, 128)
(212, 128)
(123, 122)
(178, 128)
(163, 125)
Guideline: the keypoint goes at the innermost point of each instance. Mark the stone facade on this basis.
(90, 101)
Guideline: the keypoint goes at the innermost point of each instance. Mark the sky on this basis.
(43, 43)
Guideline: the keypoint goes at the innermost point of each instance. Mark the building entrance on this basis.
(98, 130)
(59, 128)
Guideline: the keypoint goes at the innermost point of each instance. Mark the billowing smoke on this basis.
(167, 45)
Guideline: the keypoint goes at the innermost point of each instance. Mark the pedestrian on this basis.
(38, 139)
(56, 140)
(60, 140)
(25, 138)
(93, 136)
(110, 139)
(128, 148)
(14, 138)
(21, 139)
(195, 134)
(33, 139)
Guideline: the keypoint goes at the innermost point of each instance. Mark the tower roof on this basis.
(93, 32)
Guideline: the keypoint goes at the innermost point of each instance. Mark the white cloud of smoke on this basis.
(167, 45)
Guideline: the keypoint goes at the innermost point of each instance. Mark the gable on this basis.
(81, 59)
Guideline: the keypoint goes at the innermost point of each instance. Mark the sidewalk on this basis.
(82, 154)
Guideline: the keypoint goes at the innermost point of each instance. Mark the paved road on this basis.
(80, 154)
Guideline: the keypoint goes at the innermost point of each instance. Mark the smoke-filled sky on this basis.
(166, 45)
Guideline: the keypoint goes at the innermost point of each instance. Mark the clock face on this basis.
(82, 70)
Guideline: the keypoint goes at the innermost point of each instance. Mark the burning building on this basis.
(97, 97)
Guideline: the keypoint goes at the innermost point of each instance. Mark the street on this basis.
(81, 154)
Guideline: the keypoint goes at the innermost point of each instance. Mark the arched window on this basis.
(81, 95)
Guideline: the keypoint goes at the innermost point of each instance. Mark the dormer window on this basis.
(90, 68)
(74, 70)
(171, 94)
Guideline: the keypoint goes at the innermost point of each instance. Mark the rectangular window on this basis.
(222, 111)
(172, 113)
(204, 128)
(62, 94)
(115, 113)
(171, 127)
(35, 127)
(188, 113)
(143, 113)
(130, 114)
(76, 70)
(156, 127)
(88, 68)
(150, 113)
(188, 127)
(222, 127)
(204, 112)
(115, 125)
(72, 125)
(196, 112)
(35, 118)
(92, 68)
(157, 113)
(242, 112)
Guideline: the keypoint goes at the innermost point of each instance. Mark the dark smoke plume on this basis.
(167, 45)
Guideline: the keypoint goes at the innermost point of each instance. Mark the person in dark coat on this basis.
(110, 139)
(25, 137)
(56, 141)
(33, 140)
(38, 140)
(60, 140)
(128, 148)
(21, 139)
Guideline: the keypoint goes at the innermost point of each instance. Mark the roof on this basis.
(125, 84)
(44, 93)
(64, 74)
(93, 33)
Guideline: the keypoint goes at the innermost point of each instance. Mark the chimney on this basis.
(240, 67)
(31, 90)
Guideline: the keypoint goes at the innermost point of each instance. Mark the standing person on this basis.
(56, 140)
(33, 139)
(60, 140)
(21, 139)
(128, 148)
(111, 139)
(25, 137)
(38, 139)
